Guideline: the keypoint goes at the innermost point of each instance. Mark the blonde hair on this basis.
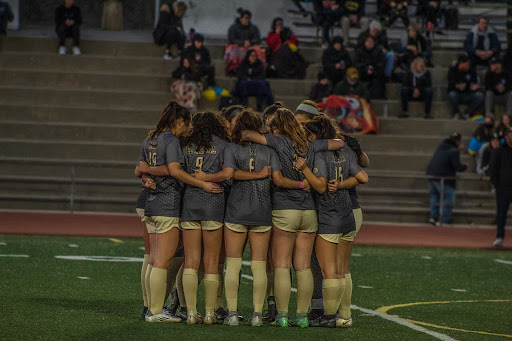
(415, 62)
(165, 8)
(289, 127)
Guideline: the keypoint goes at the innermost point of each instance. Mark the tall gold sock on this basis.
(330, 288)
(347, 298)
(148, 286)
(259, 284)
(232, 282)
(158, 283)
(304, 290)
(190, 289)
(143, 279)
(341, 292)
(282, 289)
(172, 271)
(211, 285)
(270, 283)
(220, 291)
(179, 287)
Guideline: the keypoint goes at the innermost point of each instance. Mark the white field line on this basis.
(73, 245)
(404, 323)
(459, 290)
(3, 243)
(15, 256)
(83, 277)
(502, 261)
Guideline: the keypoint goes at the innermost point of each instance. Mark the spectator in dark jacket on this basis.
(380, 37)
(507, 64)
(463, 87)
(503, 126)
(187, 70)
(414, 45)
(417, 85)
(444, 163)
(321, 90)
(6, 16)
(280, 35)
(68, 19)
(498, 84)
(352, 86)
(201, 57)
(251, 81)
(370, 62)
(397, 9)
(243, 32)
(335, 60)
(482, 42)
(500, 171)
(483, 158)
(286, 61)
(169, 30)
(353, 16)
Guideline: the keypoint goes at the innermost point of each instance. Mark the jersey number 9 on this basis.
(199, 163)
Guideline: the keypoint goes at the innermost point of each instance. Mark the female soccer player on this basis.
(293, 216)
(335, 217)
(162, 210)
(203, 213)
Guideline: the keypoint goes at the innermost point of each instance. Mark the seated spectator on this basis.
(414, 45)
(353, 16)
(483, 134)
(279, 35)
(397, 9)
(380, 37)
(463, 88)
(169, 29)
(68, 19)
(286, 61)
(483, 157)
(352, 86)
(370, 63)
(503, 127)
(186, 85)
(444, 163)
(498, 85)
(431, 12)
(198, 53)
(482, 43)
(417, 85)
(251, 81)
(321, 90)
(6, 16)
(242, 37)
(335, 60)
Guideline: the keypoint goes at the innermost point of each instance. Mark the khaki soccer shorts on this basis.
(350, 236)
(158, 224)
(295, 220)
(140, 213)
(247, 228)
(208, 225)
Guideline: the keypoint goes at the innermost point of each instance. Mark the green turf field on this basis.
(43, 298)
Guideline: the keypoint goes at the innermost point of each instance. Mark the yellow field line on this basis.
(385, 309)
(115, 240)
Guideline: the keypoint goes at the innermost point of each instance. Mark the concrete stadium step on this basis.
(406, 161)
(420, 126)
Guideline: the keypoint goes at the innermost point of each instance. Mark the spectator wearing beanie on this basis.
(482, 42)
(463, 87)
(198, 53)
(352, 86)
(370, 63)
(417, 85)
(169, 29)
(322, 89)
(335, 60)
(68, 19)
(498, 86)
(380, 37)
(306, 111)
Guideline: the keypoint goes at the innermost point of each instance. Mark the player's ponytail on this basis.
(288, 126)
(172, 112)
(247, 120)
(323, 127)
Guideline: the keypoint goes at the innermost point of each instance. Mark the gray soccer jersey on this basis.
(144, 192)
(249, 202)
(165, 200)
(335, 208)
(293, 199)
(198, 204)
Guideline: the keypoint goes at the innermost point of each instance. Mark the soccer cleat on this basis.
(324, 321)
(194, 318)
(315, 313)
(209, 319)
(498, 242)
(144, 313)
(62, 50)
(301, 320)
(343, 323)
(272, 310)
(183, 313)
(281, 320)
(164, 316)
(221, 314)
(232, 319)
(257, 320)
(175, 302)
(76, 51)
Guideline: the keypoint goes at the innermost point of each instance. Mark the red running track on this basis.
(117, 225)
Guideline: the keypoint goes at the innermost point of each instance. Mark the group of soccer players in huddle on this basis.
(285, 182)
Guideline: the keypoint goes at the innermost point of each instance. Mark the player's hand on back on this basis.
(333, 185)
(212, 187)
(265, 172)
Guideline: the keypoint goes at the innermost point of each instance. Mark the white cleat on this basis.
(209, 319)
(257, 320)
(164, 316)
(498, 242)
(76, 51)
(343, 323)
(62, 50)
(193, 318)
(232, 319)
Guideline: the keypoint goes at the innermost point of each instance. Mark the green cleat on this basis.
(301, 320)
(281, 320)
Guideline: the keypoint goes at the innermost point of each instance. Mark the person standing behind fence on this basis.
(444, 163)
(500, 171)
(68, 19)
